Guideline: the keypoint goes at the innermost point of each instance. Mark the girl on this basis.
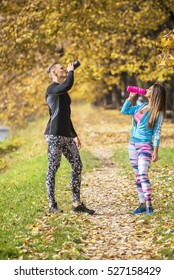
(147, 122)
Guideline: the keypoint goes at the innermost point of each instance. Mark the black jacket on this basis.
(59, 102)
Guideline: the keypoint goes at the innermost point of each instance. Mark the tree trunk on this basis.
(116, 98)
(170, 101)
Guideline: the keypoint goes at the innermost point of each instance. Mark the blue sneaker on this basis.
(149, 210)
(140, 209)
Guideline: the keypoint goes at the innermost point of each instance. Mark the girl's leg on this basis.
(133, 155)
(144, 159)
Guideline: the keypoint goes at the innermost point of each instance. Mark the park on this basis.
(117, 46)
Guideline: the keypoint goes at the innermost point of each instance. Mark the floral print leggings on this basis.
(58, 145)
(140, 155)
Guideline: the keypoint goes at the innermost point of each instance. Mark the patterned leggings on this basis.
(140, 155)
(56, 146)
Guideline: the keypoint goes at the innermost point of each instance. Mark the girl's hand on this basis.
(131, 96)
(155, 156)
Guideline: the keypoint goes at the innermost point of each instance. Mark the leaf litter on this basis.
(117, 233)
(113, 232)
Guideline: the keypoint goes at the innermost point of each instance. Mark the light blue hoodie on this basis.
(140, 132)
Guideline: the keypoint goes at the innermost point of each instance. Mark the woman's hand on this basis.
(78, 143)
(155, 154)
(131, 96)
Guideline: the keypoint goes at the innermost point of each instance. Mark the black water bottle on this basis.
(76, 64)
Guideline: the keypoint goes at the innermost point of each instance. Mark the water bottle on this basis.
(76, 64)
(137, 90)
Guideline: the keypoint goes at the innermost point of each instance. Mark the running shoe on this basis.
(140, 209)
(82, 208)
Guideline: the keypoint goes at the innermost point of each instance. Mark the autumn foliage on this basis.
(117, 42)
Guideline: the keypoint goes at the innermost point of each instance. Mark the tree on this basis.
(116, 42)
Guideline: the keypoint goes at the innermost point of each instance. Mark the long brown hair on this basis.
(158, 104)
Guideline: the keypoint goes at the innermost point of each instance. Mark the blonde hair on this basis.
(158, 104)
(51, 68)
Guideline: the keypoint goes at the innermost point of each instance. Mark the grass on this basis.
(27, 230)
(162, 178)
(166, 161)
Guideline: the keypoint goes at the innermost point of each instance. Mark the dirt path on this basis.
(115, 232)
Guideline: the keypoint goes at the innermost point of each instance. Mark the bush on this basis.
(10, 145)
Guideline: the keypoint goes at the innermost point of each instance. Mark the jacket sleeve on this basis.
(66, 85)
(72, 130)
(157, 131)
(127, 109)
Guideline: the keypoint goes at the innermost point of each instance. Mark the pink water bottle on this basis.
(137, 90)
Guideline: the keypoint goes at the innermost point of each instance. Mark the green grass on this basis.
(7, 146)
(27, 230)
(166, 160)
(122, 160)
(162, 178)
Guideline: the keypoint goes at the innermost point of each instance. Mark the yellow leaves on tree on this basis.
(167, 55)
(111, 38)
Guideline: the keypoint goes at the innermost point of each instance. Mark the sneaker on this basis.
(55, 209)
(140, 209)
(82, 208)
(149, 209)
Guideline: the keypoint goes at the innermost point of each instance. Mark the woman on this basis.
(147, 122)
(61, 136)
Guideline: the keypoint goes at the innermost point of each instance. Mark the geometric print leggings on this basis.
(58, 145)
(140, 155)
